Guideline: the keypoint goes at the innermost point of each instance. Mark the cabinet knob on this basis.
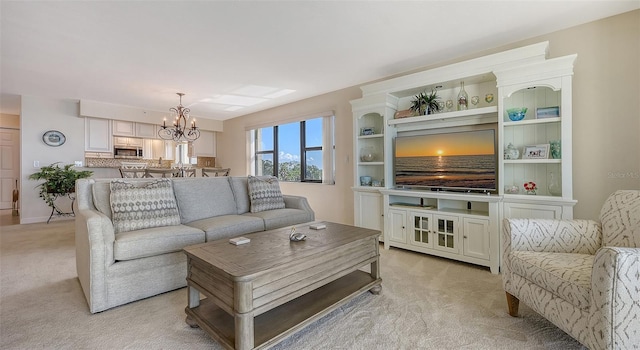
(465, 237)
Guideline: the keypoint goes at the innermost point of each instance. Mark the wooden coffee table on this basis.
(259, 293)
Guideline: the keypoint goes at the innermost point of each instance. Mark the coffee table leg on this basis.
(244, 331)
(193, 300)
(375, 273)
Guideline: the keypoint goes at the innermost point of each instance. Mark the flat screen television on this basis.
(462, 158)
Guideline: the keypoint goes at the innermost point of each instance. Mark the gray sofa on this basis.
(116, 268)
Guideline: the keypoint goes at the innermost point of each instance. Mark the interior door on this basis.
(9, 166)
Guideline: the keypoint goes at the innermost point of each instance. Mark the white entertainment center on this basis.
(465, 225)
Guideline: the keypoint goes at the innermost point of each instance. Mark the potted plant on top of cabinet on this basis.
(425, 103)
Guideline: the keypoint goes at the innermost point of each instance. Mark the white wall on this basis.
(38, 115)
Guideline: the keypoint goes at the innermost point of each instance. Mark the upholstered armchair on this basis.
(582, 275)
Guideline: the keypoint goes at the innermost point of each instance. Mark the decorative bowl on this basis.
(516, 114)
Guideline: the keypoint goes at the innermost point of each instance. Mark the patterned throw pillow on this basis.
(138, 205)
(264, 193)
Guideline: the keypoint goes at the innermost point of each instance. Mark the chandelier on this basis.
(180, 130)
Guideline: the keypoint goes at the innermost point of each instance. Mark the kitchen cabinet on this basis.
(127, 141)
(97, 133)
(142, 130)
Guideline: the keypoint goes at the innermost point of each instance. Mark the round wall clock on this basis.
(54, 138)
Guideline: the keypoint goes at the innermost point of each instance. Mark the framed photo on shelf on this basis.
(547, 112)
(366, 131)
(536, 152)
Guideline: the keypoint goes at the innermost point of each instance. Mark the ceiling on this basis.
(232, 58)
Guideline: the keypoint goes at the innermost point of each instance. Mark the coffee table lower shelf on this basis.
(276, 324)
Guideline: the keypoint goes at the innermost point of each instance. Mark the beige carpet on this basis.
(426, 303)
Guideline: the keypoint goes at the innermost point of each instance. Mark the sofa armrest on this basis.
(94, 253)
(614, 320)
(557, 236)
(297, 202)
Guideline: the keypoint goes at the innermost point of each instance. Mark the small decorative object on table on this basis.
(516, 114)
(296, 236)
(475, 100)
(530, 187)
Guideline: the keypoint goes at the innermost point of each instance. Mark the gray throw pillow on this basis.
(264, 193)
(136, 205)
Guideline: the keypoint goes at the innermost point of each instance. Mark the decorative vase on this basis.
(463, 98)
(554, 187)
(555, 149)
(511, 152)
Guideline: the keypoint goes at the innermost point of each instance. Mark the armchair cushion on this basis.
(566, 275)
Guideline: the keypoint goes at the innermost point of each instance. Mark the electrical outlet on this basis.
(78, 163)
(36, 163)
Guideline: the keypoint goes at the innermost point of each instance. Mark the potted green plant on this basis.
(58, 181)
(425, 103)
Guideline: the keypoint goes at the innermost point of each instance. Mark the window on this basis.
(300, 151)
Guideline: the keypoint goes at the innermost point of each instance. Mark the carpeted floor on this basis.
(426, 303)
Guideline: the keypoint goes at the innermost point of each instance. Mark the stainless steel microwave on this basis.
(127, 152)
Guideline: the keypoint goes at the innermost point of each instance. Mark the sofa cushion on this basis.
(155, 241)
(282, 217)
(227, 226)
(101, 191)
(136, 205)
(240, 187)
(566, 275)
(200, 198)
(264, 193)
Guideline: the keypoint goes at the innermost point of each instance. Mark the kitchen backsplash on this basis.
(91, 162)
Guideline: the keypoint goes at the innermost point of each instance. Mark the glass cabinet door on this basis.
(447, 233)
(421, 226)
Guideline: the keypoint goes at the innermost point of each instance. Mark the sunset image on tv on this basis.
(464, 160)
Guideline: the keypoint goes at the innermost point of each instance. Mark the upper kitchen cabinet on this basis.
(98, 135)
(125, 128)
(148, 131)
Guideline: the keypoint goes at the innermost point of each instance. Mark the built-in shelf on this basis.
(532, 161)
(532, 121)
(479, 112)
(374, 136)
